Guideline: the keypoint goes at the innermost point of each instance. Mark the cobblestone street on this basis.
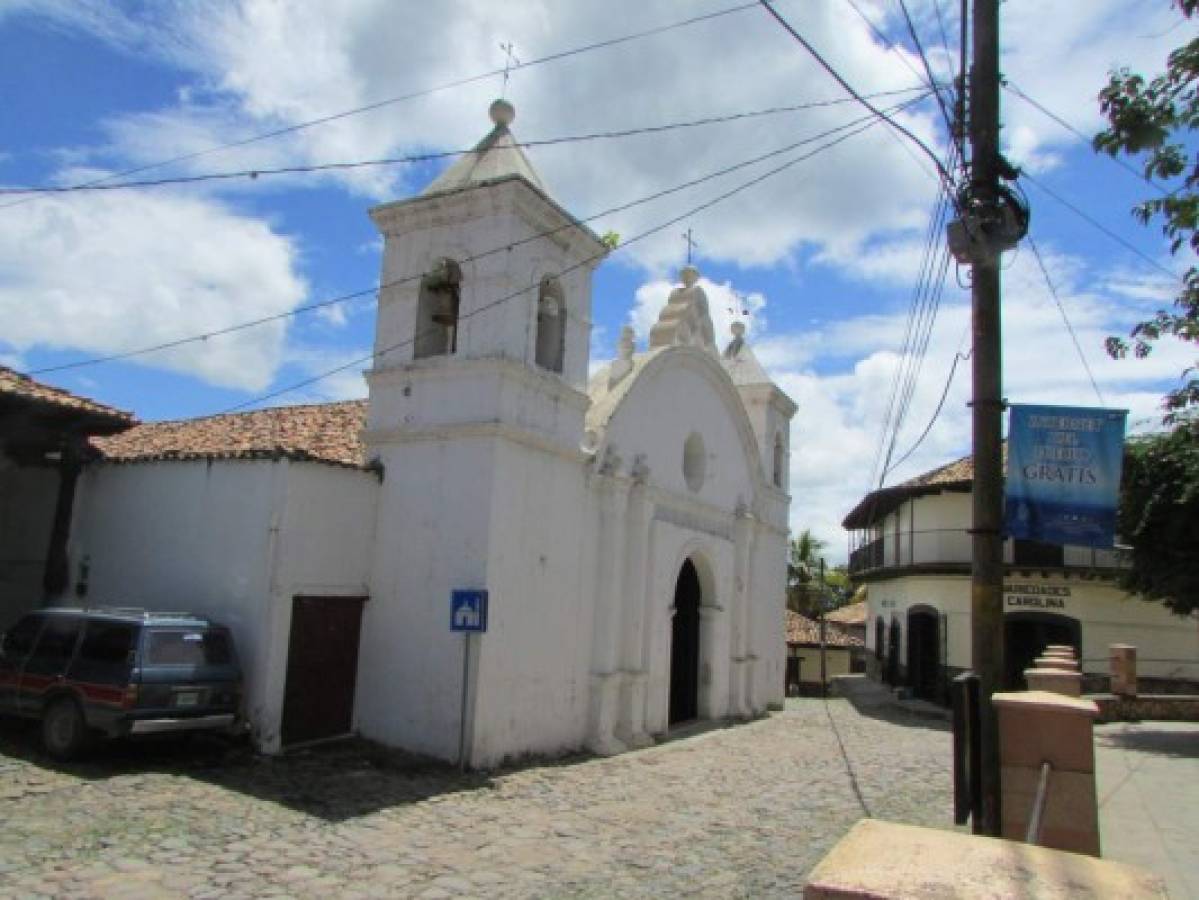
(744, 811)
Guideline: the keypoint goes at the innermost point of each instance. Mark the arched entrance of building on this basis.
(684, 646)
(1027, 634)
(924, 640)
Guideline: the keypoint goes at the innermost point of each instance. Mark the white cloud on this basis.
(106, 273)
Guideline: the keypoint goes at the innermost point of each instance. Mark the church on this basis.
(628, 523)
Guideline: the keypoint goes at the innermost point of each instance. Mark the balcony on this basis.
(950, 549)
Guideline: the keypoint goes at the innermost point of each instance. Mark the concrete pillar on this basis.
(1124, 669)
(1036, 727)
(1055, 681)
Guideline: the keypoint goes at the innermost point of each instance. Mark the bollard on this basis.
(1124, 669)
(1037, 727)
(1055, 681)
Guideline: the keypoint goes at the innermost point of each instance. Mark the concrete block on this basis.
(1070, 820)
(880, 860)
(1037, 727)
(1124, 669)
(1055, 662)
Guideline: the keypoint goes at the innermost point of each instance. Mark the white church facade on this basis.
(629, 526)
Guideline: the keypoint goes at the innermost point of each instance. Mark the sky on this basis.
(819, 260)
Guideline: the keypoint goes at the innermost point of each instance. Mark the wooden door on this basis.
(322, 667)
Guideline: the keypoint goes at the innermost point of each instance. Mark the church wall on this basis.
(431, 536)
(532, 690)
(768, 629)
(234, 540)
(27, 498)
(185, 536)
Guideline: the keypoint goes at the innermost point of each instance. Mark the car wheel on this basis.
(64, 732)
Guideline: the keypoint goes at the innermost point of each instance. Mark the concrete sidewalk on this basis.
(1147, 778)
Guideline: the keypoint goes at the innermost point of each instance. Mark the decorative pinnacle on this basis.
(502, 112)
(689, 275)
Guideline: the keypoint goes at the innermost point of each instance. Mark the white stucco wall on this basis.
(233, 540)
(27, 498)
(1167, 645)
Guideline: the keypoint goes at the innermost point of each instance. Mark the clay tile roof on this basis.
(325, 432)
(15, 387)
(853, 614)
(802, 630)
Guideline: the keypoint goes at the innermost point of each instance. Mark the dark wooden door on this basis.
(923, 653)
(684, 647)
(322, 667)
(1026, 635)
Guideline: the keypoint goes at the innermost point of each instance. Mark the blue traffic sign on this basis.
(468, 611)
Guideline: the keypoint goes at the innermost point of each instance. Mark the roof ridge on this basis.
(252, 412)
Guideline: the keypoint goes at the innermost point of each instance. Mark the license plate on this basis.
(187, 698)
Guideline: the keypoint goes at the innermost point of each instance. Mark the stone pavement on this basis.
(731, 812)
(1147, 778)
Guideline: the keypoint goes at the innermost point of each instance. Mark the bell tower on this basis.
(477, 403)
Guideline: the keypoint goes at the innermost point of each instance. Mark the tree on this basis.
(803, 563)
(1159, 516)
(1153, 121)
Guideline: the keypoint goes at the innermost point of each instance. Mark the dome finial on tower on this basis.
(502, 112)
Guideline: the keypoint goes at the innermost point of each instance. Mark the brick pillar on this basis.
(1124, 669)
(1037, 727)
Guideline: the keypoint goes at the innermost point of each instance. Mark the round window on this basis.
(695, 461)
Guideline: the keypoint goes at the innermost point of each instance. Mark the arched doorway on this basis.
(684, 646)
(923, 652)
(1027, 634)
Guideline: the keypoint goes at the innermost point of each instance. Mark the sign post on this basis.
(468, 614)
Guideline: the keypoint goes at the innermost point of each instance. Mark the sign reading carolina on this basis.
(1063, 474)
(1036, 596)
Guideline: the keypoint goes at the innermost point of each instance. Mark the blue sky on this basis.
(824, 255)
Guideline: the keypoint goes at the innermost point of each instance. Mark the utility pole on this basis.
(823, 644)
(986, 596)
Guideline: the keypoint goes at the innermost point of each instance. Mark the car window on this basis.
(106, 642)
(57, 640)
(187, 647)
(19, 640)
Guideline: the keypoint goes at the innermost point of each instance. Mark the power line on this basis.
(1066, 319)
(945, 176)
(1098, 225)
(438, 154)
(927, 68)
(378, 354)
(461, 82)
(342, 298)
(957, 357)
(1041, 108)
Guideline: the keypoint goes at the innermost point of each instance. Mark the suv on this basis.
(117, 672)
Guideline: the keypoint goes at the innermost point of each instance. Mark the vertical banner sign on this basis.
(1063, 474)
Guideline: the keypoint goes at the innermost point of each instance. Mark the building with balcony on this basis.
(910, 544)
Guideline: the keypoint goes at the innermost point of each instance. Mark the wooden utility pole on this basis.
(986, 600)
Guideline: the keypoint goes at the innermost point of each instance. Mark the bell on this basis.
(445, 312)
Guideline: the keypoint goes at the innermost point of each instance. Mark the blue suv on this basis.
(118, 672)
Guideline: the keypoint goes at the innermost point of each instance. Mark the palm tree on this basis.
(803, 560)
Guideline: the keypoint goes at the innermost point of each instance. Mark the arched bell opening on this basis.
(437, 311)
(550, 350)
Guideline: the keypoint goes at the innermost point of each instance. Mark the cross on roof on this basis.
(510, 63)
(691, 244)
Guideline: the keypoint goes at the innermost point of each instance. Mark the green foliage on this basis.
(610, 239)
(803, 572)
(1154, 121)
(1159, 516)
